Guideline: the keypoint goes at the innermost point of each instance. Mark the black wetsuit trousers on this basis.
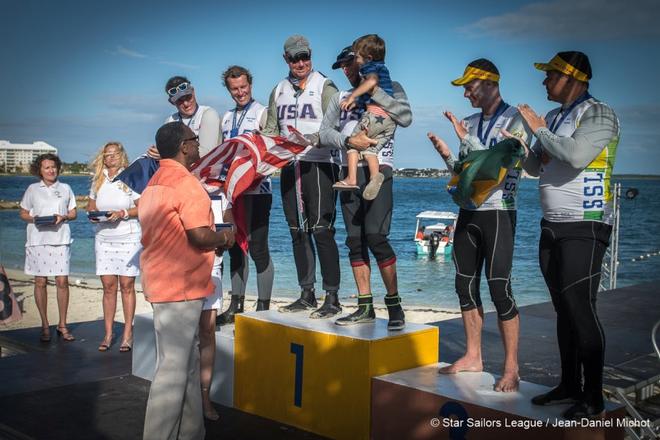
(485, 237)
(368, 222)
(257, 215)
(570, 255)
(309, 208)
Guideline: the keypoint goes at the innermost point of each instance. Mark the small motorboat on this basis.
(434, 233)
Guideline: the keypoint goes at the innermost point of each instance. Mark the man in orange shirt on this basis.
(179, 241)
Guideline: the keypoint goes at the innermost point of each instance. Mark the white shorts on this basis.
(47, 260)
(214, 300)
(117, 258)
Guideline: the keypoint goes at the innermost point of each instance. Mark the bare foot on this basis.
(508, 383)
(209, 411)
(464, 364)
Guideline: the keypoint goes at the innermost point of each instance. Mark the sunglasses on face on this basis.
(194, 138)
(180, 88)
(298, 57)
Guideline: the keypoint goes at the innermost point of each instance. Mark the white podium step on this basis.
(144, 358)
(421, 404)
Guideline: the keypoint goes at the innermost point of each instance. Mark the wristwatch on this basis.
(125, 216)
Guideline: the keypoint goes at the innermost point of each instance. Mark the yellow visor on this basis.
(472, 73)
(562, 66)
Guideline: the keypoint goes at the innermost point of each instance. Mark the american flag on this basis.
(241, 163)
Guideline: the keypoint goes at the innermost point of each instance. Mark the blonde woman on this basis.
(117, 241)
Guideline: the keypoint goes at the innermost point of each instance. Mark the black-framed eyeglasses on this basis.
(180, 88)
(194, 138)
(299, 57)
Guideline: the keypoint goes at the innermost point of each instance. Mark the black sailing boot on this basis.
(307, 301)
(397, 317)
(235, 307)
(329, 308)
(363, 315)
(263, 304)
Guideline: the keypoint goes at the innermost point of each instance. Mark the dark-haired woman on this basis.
(48, 246)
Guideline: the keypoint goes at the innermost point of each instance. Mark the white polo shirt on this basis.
(41, 200)
(116, 196)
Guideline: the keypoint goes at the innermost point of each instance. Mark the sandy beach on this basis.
(85, 296)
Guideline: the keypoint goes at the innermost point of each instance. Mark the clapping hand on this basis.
(508, 135)
(533, 121)
(459, 128)
(440, 145)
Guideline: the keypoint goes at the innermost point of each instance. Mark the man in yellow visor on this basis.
(484, 234)
(574, 157)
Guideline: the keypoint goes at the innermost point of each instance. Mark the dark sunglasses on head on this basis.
(180, 88)
(298, 57)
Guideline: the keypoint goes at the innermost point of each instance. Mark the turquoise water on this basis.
(421, 282)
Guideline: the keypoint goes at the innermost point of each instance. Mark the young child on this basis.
(370, 55)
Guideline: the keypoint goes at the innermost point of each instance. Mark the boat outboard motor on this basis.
(434, 242)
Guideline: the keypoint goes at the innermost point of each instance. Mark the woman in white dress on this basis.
(47, 206)
(117, 242)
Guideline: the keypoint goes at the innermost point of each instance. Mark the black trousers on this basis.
(309, 207)
(368, 222)
(570, 255)
(257, 215)
(485, 237)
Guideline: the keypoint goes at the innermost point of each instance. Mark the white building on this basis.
(18, 157)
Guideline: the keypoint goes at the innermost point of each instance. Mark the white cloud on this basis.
(130, 53)
(585, 19)
(121, 50)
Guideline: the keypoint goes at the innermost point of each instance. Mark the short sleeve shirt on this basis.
(41, 200)
(116, 196)
(384, 81)
(173, 269)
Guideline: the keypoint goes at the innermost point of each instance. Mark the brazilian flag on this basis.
(480, 171)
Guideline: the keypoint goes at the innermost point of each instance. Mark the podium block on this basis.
(144, 358)
(421, 404)
(316, 375)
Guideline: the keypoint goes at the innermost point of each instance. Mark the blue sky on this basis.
(77, 74)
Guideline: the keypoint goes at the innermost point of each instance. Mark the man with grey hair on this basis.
(308, 199)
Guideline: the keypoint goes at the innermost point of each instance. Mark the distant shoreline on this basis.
(636, 176)
(614, 176)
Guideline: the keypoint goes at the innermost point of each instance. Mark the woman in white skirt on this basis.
(46, 207)
(212, 303)
(117, 240)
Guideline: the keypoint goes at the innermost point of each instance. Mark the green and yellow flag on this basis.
(481, 171)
